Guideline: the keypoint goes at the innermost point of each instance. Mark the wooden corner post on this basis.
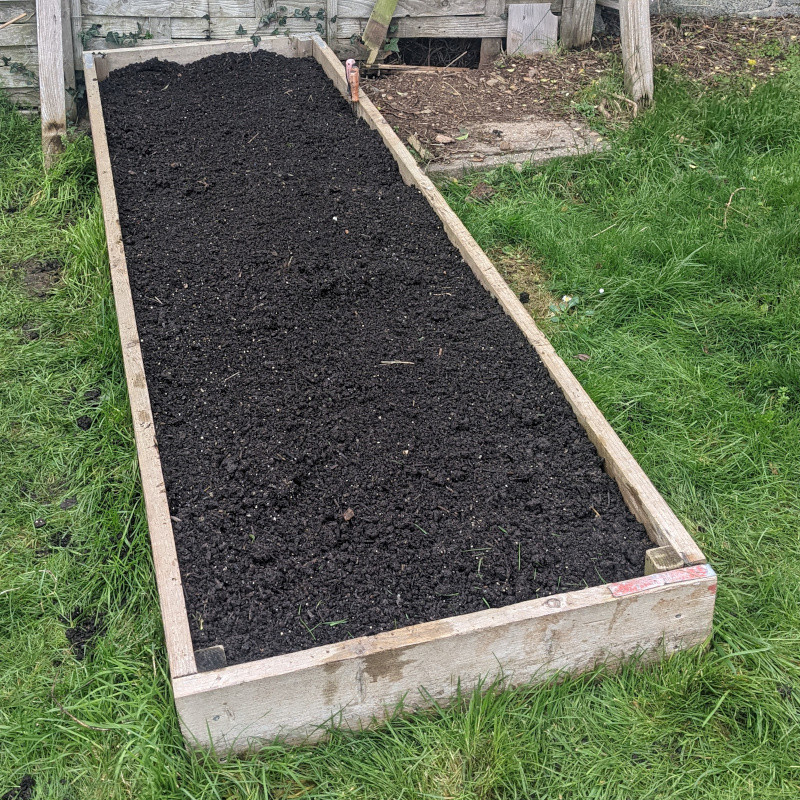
(51, 78)
(491, 47)
(637, 49)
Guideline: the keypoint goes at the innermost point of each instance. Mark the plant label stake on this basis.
(351, 71)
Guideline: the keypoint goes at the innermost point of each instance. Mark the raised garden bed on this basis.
(376, 486)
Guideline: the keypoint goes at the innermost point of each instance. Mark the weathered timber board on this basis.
(354, 682)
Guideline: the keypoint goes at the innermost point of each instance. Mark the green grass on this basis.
(695, 359)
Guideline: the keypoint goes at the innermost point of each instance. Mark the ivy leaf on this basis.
(320, 28)
(320, 14)
(240, 30)
(255, 40)
(333, 18)
(391, 46)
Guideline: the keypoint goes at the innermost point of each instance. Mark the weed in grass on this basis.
(694, 348)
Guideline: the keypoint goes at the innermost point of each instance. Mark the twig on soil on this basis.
(389, 363)
(456, 59)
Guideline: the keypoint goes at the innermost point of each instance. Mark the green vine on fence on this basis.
(18, 68)
(278, 17)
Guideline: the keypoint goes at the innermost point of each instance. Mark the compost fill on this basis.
(354, 436)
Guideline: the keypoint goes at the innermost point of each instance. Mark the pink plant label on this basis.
(661, 579)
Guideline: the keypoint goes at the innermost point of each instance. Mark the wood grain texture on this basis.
(410, 27)
(661, 559)
(158, 27)
(190, 28)
(10, 9)
(577, 18)
(226, 27)
(165, 557)
(532, 28)
(332, 20)
(642, 498)
(29, 56)
(75, 31)
(145, 8)
(362, 9)
(231, 8)
(69, 58)
(52, 95)
(185, 53)
(23, 96)
(358, 682)
(20, 34)
(637, 49)
(492, 45)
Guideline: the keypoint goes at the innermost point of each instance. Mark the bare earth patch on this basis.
(466, 118)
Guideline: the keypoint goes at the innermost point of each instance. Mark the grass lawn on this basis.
(690, 225)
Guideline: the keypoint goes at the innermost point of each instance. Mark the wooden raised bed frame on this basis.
(354, 683)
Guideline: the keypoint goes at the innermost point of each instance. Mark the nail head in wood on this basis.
(661, 559)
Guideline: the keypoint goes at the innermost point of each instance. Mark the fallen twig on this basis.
(728, 206)
(22, 16)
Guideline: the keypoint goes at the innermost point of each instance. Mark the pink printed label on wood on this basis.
(661, 579)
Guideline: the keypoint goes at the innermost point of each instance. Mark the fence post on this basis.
(52, 97)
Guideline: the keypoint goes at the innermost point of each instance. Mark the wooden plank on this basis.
(445, 27)
(608, 4)
(332, 21)
(376, 28)
(231, 8)
(415, 8)
(491, 47)
(69, 58)
(75, 29)
(9, 9)
(28, 56)
(637, 49)
(642, 498)
(165, 557)
(20, 34)
(159, 27)
(190, 28)
(577, 18)
(661, 559)
(23, 97)
(145, 8)
(359, 681)
(227, 27)
(14, 80)
(532, 28)
(52, 103)
(13, 20)
(186, 53)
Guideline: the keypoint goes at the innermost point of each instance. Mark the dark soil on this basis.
(354, 436)
(81, 635)
(22, 792)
